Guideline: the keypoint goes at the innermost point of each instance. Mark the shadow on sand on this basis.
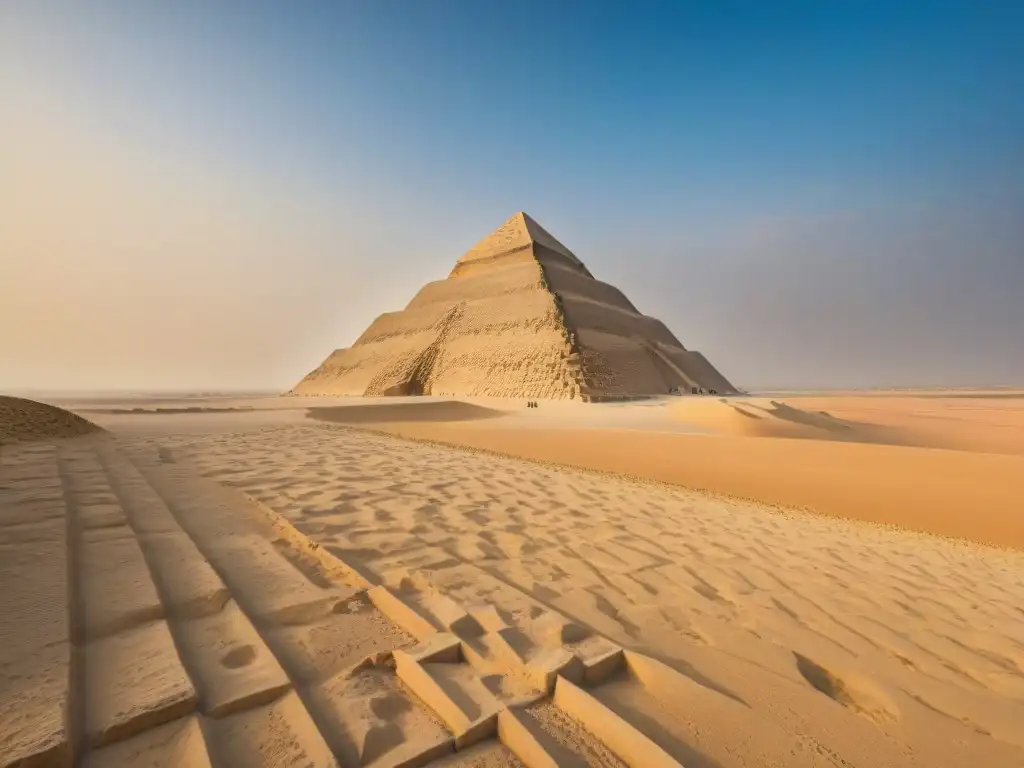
(403, 412)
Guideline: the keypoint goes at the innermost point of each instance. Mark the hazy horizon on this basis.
(203, 196)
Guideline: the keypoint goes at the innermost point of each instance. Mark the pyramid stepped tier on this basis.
(518, 239)
(519, 316)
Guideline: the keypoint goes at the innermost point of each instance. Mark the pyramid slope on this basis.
(519, 316)
(516, 237)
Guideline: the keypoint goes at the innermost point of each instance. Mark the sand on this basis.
(256, 587)
(915, 471)
(22, 419)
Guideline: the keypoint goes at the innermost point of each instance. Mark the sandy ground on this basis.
(22, 419)
(257, 587)
(950, 466)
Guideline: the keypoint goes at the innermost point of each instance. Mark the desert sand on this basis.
(246, 585)
(910, 467)
(518, 316)
(23, 420)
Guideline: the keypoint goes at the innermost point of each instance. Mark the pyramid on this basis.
(518, 316)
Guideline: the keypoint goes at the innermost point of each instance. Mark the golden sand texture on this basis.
(135, 600)
(261, 589)
(765, 417)
(22, 419)
(153, 617)
(676, 628)
(830, 460)
(519, 316)
(979, 422)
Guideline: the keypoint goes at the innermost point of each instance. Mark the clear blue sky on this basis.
(812, 193)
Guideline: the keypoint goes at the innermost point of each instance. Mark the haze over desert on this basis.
(460, 385)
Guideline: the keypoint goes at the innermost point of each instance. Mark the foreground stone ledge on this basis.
(635, 749)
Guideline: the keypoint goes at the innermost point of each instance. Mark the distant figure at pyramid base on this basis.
(519, 316)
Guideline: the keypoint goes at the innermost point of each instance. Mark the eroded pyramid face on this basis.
(518, 316)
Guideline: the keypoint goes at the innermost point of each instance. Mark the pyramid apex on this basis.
(519, 232)
(526, 219)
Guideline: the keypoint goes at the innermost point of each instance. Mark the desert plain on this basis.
(787, 579)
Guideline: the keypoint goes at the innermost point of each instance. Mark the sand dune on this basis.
(297, 593)
(979, 422)
(709, 632)
(22, 419)
(236, 640)
(961, 495)
(763, 417)
(773, 452)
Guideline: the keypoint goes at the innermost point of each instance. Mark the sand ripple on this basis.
(805, 641)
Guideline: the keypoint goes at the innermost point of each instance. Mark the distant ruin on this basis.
(519, 316)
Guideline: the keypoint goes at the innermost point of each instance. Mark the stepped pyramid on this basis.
(519, 316)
